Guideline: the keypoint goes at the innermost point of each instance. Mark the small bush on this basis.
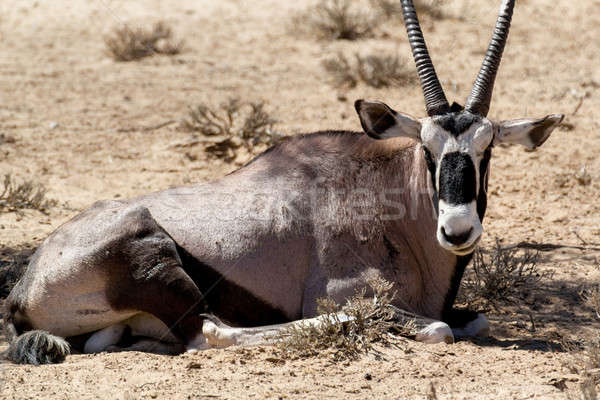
(13, 263)
(337, 20)
(375, 70)
(15, 197)
(585, 350)
(129, 44)
(231, 126)
(501, 276)
(349, 330)
(393, 8)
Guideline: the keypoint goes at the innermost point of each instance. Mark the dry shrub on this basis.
(350, 330)
(585, 351)
(501, 276)
(375, 70)
(591, 298)
(233, 125)
(129, 44)
(393, 8)
(18, 196)
(337, 20)
(13, 263)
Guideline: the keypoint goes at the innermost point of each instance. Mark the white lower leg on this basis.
(102, 339)
(197, 344)
(218, 334)
(436, 332)
(478, 327)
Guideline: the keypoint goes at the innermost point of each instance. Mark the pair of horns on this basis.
(481, 94)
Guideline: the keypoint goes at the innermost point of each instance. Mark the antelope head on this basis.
(456, 141)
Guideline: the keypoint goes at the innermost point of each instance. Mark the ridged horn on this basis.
(481, 96)
(435, 99)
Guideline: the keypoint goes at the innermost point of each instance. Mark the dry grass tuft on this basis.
(585, 351)
(375, 70)
(393, 8)
(15, 197)
(130, 44)
(336, 20)
(349, 330)
(13, 263)
(501, 276)
(233, 125)
(591, 298)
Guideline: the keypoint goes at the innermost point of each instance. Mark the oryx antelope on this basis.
(316, 216)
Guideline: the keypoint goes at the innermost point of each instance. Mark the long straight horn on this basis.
(481, 96)
(435, 99)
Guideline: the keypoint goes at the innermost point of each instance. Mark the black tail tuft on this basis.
(38, 347)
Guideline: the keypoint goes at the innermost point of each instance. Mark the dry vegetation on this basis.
(501, 276)
(128, 43)
(231, 126)
(375, 70)
(393, 8)
(26, 195)
(337, 20)
(13, 263)
(350, 20)
(586, 353)
(350, 330)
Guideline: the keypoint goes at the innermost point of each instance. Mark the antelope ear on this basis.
(530, 133)
(381, 122)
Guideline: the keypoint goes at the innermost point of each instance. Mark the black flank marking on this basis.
(457, 178)
(229, 302)
(91, 312)
(456, 122)
(392, 251)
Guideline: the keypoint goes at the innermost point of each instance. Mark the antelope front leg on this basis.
(467, 323)
(219, 335)
(428, 330)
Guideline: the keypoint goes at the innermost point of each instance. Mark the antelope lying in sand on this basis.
(316, 216)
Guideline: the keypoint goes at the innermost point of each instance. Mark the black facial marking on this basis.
(457, 178)
(483, 182)
(459, 318)
(456, 122)
(455, 107)
(430, 166)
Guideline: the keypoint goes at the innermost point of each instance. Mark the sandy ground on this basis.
(73, 119)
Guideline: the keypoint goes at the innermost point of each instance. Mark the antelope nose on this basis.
(457, 238)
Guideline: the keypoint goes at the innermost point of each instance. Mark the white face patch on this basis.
(459, 225)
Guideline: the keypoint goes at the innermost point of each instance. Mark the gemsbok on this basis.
(319, 215)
